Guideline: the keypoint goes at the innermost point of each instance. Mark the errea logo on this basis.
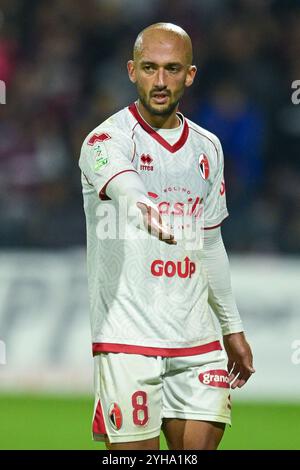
(145, 162)
(215, 378)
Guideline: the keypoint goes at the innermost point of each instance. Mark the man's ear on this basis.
(190, 75)
(131, 71)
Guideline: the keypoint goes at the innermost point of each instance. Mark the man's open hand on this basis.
(153, 223)
(240, 359)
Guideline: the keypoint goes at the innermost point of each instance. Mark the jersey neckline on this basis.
(152, 132)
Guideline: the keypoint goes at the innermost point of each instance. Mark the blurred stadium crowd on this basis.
(64, 66)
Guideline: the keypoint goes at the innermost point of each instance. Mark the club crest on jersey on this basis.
(204, 166)
(145, 162)
(115, 416)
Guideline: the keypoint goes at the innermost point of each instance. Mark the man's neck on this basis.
(160, 122)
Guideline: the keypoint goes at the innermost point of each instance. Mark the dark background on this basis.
(64, 66)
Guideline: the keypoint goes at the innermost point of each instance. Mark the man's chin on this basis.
(161, 109)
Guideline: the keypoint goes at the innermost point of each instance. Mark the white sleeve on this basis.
(131, 186)
(105, 154)
(105, 161)
(215, 210)
(220, 295)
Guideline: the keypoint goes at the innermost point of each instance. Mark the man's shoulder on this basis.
(115, 128)
(203, 133)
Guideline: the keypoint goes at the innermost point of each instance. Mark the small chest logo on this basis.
(146, 162)
(204, 166)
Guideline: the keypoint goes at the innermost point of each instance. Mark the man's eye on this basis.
(148, 68)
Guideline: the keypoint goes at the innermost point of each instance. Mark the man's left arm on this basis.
(222, 302)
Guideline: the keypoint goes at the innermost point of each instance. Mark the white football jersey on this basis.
(148, 297)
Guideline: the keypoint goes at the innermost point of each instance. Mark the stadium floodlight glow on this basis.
(2, 92)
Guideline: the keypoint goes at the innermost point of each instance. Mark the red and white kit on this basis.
(147, 297)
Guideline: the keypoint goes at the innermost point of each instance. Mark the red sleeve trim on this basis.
(164, 352)
(214, 226)
(102, 192)
(87, 180)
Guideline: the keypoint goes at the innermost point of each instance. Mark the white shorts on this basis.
(133, 393)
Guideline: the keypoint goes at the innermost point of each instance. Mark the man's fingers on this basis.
(240, 359)
(234, 384)
(247, 368)
(240, 382)
(230, 365)
(143, 207)
(161, 232)
(167, 237)
(241, 377)
(154, 224)
(245, 375)
(234, 372)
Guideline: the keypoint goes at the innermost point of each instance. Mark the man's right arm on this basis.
(105, 163)
(130, 186)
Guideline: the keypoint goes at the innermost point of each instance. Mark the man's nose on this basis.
(160, 78)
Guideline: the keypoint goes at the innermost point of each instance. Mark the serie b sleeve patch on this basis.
(101, 157)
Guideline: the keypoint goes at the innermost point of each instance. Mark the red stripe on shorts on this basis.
(163, 352)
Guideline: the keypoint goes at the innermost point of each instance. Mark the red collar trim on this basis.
(172, 148)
